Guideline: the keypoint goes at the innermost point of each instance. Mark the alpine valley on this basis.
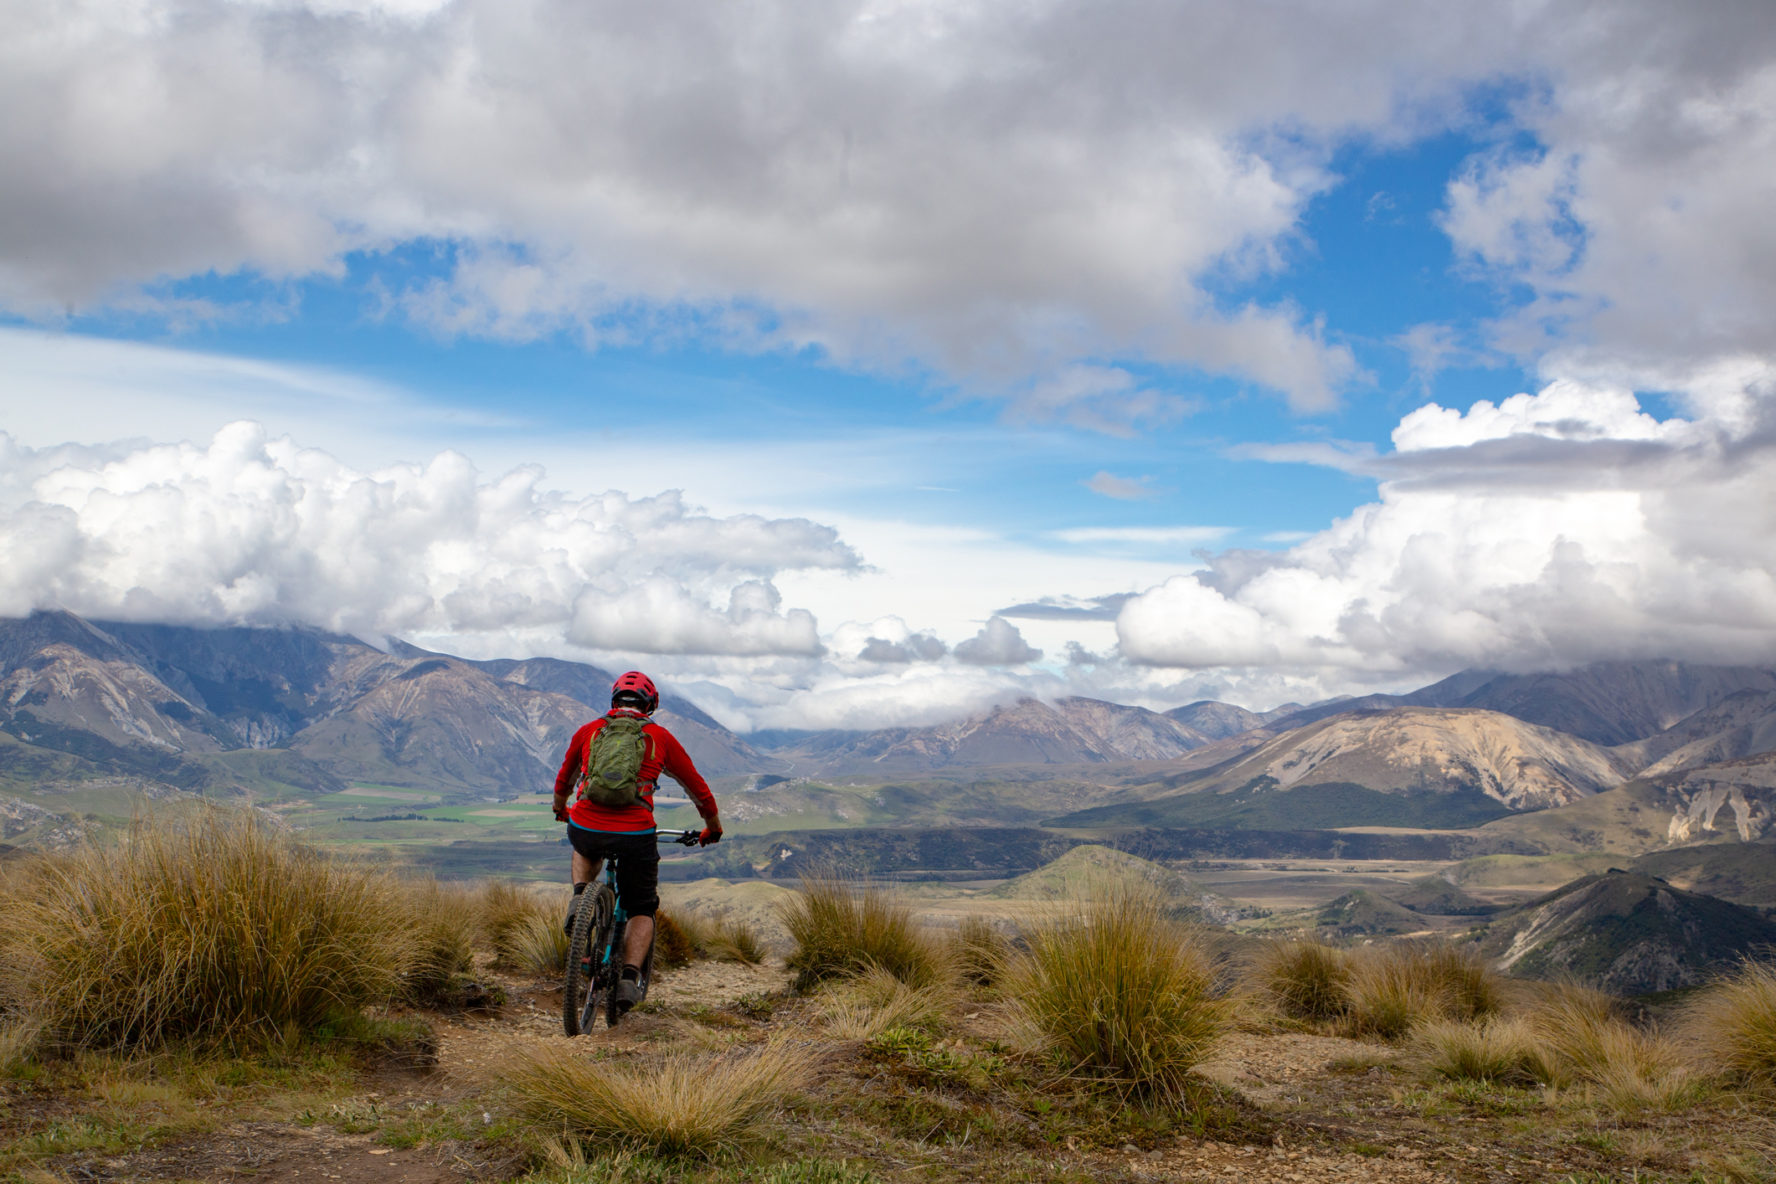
(430, 758)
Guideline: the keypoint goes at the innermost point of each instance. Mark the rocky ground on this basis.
(1275, 1106)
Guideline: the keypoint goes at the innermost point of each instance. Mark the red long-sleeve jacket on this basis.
(665, 755)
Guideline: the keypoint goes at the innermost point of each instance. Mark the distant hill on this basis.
(1363, 913)
(1434, 896)
(1606, 703)
(1421, 767)
(176, 706)
(1072, 731)
(1627, 933)
(1077, 873)
(1217, 721)
(1642, 816)
(1742, 873)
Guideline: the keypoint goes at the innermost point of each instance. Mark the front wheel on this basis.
(588, 973)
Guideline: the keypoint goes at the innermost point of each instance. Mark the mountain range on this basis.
(1667, 752)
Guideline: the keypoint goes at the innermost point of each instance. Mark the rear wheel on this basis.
(587, 975)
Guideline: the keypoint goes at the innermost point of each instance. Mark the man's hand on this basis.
(560, 809)
(712, 832)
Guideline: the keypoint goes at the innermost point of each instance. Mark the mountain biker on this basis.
(625, 831)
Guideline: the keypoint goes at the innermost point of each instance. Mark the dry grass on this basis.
(1304, 980)
(1394, 989)
(204, 926)
(511, 920)
(842, 928)
(1120, 992)
(736, 941)
(673, 944)
(982, 951)
(675, 1104)
(1493, 1051)
(875, 1001)
(1584, 1039)
(443, 920)
(1577, 1025)
(1734, 1025)
(537, 945)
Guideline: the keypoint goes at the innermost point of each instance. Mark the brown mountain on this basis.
(1071, 731)
(166, 703)
(1605, 703)
(1401, 767)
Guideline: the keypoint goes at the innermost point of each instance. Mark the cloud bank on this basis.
(251, 529)
(1004, 193)
(1548, 530)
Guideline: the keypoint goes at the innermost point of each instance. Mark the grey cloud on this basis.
(919, 647)
(997, 644)
(1102, 608)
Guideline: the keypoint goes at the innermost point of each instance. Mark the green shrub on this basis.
(1121, 993)
(841, 929)
(205, 926)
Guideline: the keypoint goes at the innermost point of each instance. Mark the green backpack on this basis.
(612, 776)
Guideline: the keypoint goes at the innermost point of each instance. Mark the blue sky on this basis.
(925, 312)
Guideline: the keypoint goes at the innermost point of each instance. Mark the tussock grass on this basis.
(1394, 989)
(875, 1002)
(673, 944)
(443, 921)
(1578, 1025)
(510, 917)
(1643, 1071)
(982, 951)
(737, 941)
(1304, 980)
(1120, 992)
(537, 945)
(202, 926)
(1734, 1025)
(842, 928)
(1493, 1051)
(1584, 1039)
(674, 1104)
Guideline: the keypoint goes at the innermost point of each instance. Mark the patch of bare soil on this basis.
(277, 1153)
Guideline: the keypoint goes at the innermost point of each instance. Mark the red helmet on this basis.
(636, 686)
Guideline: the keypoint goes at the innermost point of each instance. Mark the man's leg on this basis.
(637, 936)
(583, 871)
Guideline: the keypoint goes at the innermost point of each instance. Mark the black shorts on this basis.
(638, 865)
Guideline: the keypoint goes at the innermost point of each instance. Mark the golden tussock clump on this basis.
(1120, 992)
(202, 926)
(672, 1104)
(841, 928)
(1734, 1024)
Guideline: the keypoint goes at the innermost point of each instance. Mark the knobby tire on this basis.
(580, 990)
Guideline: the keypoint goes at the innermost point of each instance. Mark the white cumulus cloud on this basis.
(252, 529)
(1551, 529)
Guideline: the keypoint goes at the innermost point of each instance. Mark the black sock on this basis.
(580, 887)
(632, 973)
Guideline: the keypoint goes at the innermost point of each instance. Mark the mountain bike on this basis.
(595, 951)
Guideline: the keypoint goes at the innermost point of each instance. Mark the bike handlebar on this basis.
(684, 838)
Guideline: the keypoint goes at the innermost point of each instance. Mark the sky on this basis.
(872, 362)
